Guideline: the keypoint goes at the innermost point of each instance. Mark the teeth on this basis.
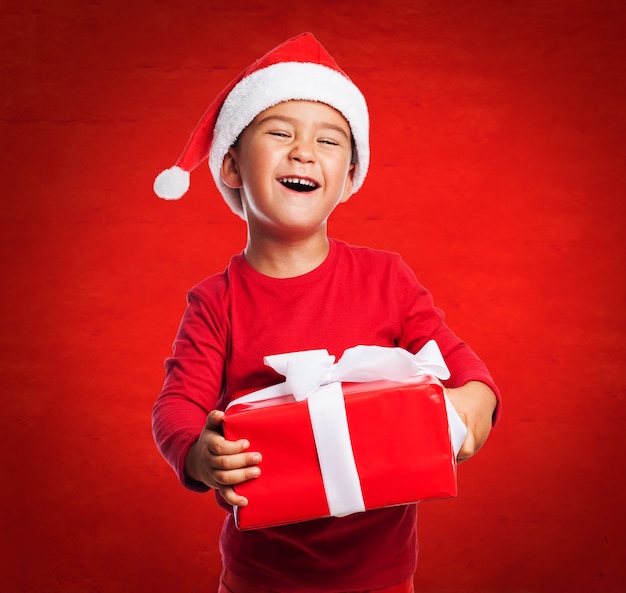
(305, 182)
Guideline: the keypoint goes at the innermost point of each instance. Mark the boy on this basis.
(287, 141)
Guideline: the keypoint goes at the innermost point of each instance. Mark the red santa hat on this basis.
(298, 69)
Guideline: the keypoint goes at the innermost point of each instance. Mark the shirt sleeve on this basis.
(422, 321)
(193, 383)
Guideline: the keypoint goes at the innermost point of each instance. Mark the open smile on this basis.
(299, 184)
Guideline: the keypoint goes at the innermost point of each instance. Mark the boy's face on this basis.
(292, 165)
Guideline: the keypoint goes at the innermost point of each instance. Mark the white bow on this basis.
(308, 370)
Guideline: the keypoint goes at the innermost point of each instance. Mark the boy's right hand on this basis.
(221, 464)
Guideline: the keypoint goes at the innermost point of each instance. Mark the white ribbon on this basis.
(340, 476)
(314, 376)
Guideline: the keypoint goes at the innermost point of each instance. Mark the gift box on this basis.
(336, 439)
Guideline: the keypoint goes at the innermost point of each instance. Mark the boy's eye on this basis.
(329, 142)
(279, 133)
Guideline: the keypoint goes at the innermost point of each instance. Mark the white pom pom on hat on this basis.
(298, 69)
(172, 184)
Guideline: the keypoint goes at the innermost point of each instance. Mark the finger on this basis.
(468, 448)
(233, 462)
(226, 481)
(214, 420)
(232, 498)
(219, 446)
(233, 477)
(214, 436)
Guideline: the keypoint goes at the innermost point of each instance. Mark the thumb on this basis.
(468, 448)
(214, 421)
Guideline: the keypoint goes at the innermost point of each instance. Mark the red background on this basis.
(498, 147)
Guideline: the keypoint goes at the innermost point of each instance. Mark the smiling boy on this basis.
(293, 166)
(287, 141)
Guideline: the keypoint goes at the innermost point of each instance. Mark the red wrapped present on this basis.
(370, 431)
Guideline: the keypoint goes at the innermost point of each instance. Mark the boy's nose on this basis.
(302, 150)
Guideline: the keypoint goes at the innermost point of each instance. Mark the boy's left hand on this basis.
(475, 404)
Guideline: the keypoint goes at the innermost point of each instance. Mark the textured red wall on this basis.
(498, 134)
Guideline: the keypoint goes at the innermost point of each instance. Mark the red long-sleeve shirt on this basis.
(357, 296)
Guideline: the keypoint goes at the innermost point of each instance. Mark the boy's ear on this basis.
(229, 171)
(347, 190)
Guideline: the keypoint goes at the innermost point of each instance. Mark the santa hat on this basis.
(298, 69)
